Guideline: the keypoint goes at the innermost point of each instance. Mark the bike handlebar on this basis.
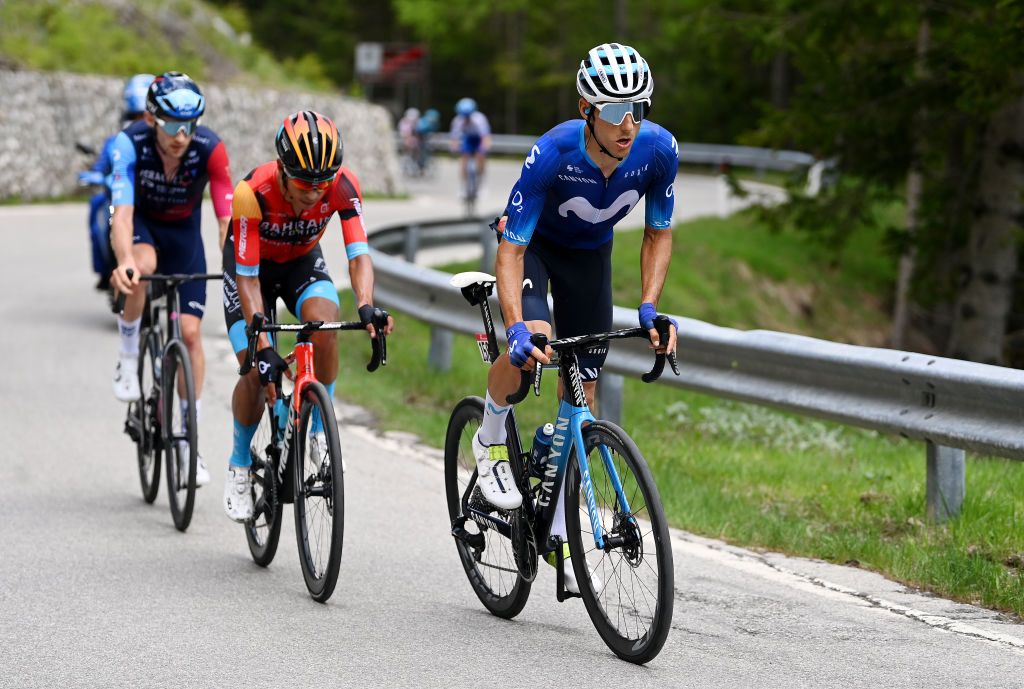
(539, 340)
(173, 278)
(259, 324)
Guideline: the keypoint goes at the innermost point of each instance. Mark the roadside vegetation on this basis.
(745, 474)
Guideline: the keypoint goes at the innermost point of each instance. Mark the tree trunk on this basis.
(979, 319)
(915, 188)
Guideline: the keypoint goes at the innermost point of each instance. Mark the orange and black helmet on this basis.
(309, 147)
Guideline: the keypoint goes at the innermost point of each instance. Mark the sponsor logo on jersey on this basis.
(532, 158)
(355, 204)
(512, 236)
(517, 198)
(585, 210)
(527, 283)
(581, 180)
(243, 223)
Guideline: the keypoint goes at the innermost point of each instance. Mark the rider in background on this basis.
(429, 122)
(470, 137)
(279, 213)
(99, 175)
(161, 166)
(578, 181)
(409, 141)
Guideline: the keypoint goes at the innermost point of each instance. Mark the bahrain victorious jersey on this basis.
(563, 197)
(266, 228)
(138, 175)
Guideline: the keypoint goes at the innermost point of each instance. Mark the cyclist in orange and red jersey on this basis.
(279, 213)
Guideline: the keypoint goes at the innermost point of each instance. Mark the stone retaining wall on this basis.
(43, 116)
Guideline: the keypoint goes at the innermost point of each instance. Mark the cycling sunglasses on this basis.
(614, 113)
(172, 127)
(306, 185)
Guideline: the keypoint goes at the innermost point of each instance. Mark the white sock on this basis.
(129, 335)
(558, 520)
(183, 405)
(492, 430)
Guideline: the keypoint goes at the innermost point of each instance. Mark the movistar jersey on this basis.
(563, 197)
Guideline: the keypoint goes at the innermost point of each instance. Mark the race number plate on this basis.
(485, 351)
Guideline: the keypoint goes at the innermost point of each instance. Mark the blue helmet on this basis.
(135, 91)
(465, 106)
(175, 95)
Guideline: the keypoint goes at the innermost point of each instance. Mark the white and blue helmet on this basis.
(465, 106)
(614, 73)
(175, 95)
(135, 91)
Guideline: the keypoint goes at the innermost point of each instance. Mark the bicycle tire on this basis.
(149, 444)
(263, 531)
(620, 614)
(497, 582)
(320, 573)
(178, 431)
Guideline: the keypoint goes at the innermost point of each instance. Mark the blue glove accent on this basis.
(647, 314)
(519, 345)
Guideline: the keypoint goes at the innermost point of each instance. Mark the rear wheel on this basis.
(319, 494)
(263, 531)
(143, 417)
(487, 556)
(627, 586)
(179, 416)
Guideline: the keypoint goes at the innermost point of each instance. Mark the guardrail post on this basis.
(412, 243)
(945, 482)
(610, 388)
(490, 246)
(439, 357)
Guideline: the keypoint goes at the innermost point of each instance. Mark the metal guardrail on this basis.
(952, 405)
(689, 153)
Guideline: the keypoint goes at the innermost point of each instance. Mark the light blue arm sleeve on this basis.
(660, 197)
(122, 158)
(531, 191)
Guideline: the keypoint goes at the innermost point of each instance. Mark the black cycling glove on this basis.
(366, 312)
(269, 364)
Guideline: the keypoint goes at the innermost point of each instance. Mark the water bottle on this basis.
(541, 447)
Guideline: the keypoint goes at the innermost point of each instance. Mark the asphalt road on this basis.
(97, 589)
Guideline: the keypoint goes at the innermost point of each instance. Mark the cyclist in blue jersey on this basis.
(578, 181)
(162, 164)
(470, 134)
(99, 175)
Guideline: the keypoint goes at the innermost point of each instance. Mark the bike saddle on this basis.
(471, 277)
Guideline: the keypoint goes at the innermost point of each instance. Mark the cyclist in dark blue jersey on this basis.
(578, 181)
(161, 165)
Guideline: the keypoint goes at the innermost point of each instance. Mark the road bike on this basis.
(162, 423)
(617, 532)
(289, 466)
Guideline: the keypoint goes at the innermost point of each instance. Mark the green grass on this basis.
(748, 475)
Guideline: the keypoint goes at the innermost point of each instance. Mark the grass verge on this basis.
(748, 475)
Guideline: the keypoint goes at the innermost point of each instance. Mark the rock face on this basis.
(43, 116)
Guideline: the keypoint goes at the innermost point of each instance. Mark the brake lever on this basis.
(252, 332)
(662, 324)
(540, 341)
(379, 343)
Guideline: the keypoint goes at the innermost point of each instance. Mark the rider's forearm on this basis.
(655, 256)
(222, 227)
(252, 302)
(508, 266)
(121, 232)
(360, 273)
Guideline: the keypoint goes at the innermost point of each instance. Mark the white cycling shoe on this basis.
(569, 575)
(494, 475)
(318, 448)
(238, 494)
(126, 378)
(202, 473)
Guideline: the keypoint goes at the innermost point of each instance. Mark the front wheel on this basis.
(487, 556)
(319, 493)
(627, 586)
(144, 417)
(179, 421)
